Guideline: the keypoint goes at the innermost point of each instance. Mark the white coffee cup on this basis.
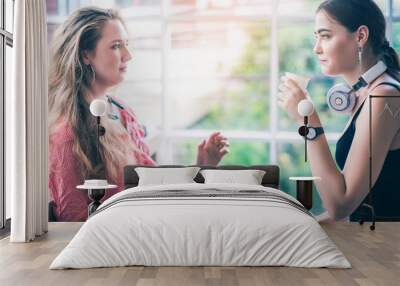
(302, 81)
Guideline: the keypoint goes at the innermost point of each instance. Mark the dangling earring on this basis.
(93, 72)
(360, 51)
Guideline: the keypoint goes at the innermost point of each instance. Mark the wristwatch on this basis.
(314, 132)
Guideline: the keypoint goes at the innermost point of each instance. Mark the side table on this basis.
(95, 193)
(304, 187)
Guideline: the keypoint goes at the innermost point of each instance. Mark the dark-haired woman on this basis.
(350, 40)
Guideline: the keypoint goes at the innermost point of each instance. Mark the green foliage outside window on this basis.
(396, 37)
(244, 101)
(241, 152)
(249, 105)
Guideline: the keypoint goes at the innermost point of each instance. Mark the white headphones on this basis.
(341, 98)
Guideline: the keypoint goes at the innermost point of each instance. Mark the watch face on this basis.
(311, 133)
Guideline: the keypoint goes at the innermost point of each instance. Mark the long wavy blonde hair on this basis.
(69, 84)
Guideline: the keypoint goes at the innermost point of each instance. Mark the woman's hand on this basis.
(211, 150)
(324, 218)
(290, 94)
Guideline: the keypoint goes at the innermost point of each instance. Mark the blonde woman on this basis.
(90, 56)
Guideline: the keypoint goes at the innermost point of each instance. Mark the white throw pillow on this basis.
(163, 176)
(248, 177)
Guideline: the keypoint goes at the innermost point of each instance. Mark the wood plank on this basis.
(374, 255)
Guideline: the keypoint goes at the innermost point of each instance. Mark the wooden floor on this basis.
(374, 255)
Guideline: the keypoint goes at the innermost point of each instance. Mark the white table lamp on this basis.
(305, 108)
(98, 108)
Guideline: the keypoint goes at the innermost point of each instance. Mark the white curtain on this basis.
(26, 124)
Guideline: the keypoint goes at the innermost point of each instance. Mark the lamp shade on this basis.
(98, 107)
(305, 107)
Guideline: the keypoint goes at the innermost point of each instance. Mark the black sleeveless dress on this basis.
(385, 194)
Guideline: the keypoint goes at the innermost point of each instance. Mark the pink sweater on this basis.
(64, 175)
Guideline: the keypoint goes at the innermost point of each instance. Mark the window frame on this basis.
(272, 136)
(6, 39)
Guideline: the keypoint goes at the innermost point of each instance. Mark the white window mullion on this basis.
(274, 78)
(164, 153)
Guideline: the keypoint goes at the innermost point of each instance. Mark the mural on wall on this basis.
(89, 58)
(175, 82)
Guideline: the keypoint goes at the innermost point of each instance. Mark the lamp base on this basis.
(304, 193)
(95, 195)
